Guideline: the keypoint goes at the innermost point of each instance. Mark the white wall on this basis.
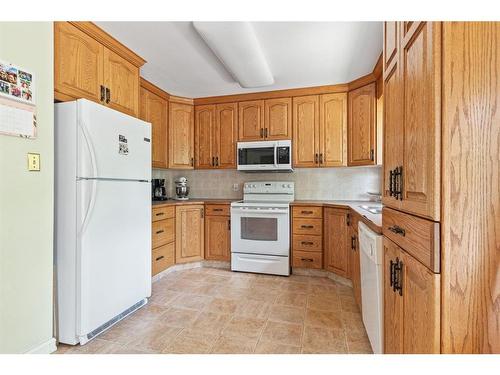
(26, 202)
(310, 183)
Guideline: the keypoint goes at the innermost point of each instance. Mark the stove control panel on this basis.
(269, 187)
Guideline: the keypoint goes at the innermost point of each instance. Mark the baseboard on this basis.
(47, 347)
(322, 273)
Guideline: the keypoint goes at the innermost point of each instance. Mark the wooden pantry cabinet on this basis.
(216, 128)
(189, 233)
(411, 304)
(180, 135)
(90, 64)
(154, 109)
(269, 119)
(319, 130)
(362, 129)
(217, 232)
(412, 118)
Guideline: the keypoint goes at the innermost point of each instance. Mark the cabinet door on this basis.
(189, 233)
(218, 238)
(391, 44)
(362, 126)
(335, 244)
(122, 79)
(421, 71)
(333, 130)
(153, 109)
(393, 302)
(78, 63)
(180, 136)
(226, 120)
(354, 261)
(278, 119)
(205, 137)
(306, 131)
(251, 120)
(421, 300)
(393, 132)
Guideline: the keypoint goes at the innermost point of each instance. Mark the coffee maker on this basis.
(158, 189)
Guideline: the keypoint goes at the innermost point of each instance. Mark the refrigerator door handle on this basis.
(90, 206)
(90, 148)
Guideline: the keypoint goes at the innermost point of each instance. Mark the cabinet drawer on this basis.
(217, 210)
(162, 257)
(418, 237)
(165, 212)
(307, 243)
(302, 211)
(307, 259)
(163, 232)
(308, 226)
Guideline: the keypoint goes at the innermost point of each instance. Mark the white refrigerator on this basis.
(102, 218)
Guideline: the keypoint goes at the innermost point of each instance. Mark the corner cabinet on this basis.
(189, 233)
(411, 304)
(216, 128)
(154, 109)
(362, 137)
(90, 64)
(335, 237)
(412, 118)
(180, 136)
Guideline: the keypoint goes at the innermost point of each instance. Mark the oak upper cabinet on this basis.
(306, 131)
(278, 119)
(181, 136)
(217, 232)
(362, 129)
(78, 63)
(216, 128)
(333, 130)
(189, 233)
(121, 79)
(335, 236)
(411, 304)
(391, 44)
(90, 64)
(251, 120)
(153, 109)
(204, 121)
(412, 140)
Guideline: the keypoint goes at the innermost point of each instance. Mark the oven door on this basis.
(254, 156)
(260, 230)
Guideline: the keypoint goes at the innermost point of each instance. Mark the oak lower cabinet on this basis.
(362, 129)
(320, 130)
(335, 231)
(217, 232)
(307, 237)
(411, 304)
(216, 129)
(162, 238)
(154, 109)
(180, 135)
(189, 233)
(90, 64)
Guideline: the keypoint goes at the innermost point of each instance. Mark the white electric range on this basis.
(260, 228)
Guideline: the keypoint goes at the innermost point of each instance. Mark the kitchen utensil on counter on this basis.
(181, 189)
(158, 189)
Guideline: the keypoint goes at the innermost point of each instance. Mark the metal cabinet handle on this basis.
(103, 93)
(159, 231)
(397, 230)
(348, 220)
(306, 212)
(321, 158)
(262, 132)
(160, 257)
(216, 161)
(398, 277)
(108, 95)
(192, 161)
(229, 224)
(307, 259)
(213, 161)
(202, 213)
(265, 132)
(372, 155)
(316, 158)
(160, 214)
(307, 243)
(398, 183)
(217, 209)
(307, 226)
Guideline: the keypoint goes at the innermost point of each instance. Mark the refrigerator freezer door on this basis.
(113, 249)
(112, 144)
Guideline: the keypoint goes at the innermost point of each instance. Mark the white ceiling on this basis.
(300, 54)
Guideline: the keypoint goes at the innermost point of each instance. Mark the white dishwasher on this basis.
(370, 246)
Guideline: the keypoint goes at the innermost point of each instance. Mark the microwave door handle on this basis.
(276, 155)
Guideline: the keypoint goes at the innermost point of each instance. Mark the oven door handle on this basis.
(250, 211)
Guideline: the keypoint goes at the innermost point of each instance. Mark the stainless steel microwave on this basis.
(265, 156)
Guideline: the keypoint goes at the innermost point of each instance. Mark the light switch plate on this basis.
(33, 162)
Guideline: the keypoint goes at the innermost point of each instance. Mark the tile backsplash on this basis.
(310, 183)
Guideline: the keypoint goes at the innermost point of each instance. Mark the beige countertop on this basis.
(173, 202)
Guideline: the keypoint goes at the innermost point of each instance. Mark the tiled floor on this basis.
(207, 310)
